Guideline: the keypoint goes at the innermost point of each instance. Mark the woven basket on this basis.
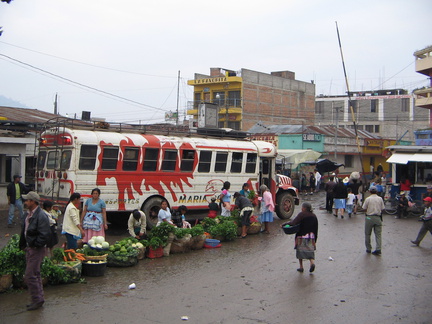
(96, 257)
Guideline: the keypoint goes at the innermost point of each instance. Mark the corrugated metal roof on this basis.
(342, 132)
(260, 128)
(25, 115)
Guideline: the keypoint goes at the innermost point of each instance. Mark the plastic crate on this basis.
(154, 253)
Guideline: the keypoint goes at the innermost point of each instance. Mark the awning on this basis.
(295, 157)
(399, 158)
(404, 158)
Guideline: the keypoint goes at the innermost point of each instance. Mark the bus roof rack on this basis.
(222, 132)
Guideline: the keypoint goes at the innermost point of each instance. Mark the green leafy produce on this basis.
(181, 232)
(197, 230)
(209, 222)
(156, 242)
(12, 259)
(227, 230)
(54, 273)
(251, 194)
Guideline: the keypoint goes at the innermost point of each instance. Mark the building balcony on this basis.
(234, 106)
(423, 62)
(423, 98)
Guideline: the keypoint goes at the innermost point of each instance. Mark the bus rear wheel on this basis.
(151, 210)
(285, 205)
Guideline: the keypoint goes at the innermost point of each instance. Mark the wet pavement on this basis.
(254, 280)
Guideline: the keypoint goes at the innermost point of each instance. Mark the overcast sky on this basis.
(133, 49)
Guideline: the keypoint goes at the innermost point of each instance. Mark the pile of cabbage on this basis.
(98, 242)
(124, 253)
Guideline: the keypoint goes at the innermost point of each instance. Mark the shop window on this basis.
(374, 105)
(349, 159)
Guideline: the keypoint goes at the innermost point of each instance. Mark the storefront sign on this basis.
(311, 137)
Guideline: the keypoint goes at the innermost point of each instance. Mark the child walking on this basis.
(350, 202)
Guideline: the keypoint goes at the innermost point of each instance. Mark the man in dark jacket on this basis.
(15, 190)
(35, 235)
(329, 186)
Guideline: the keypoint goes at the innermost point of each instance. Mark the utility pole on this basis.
(178, 94)
(55, 105)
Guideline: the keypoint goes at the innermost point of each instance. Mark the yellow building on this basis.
(246, 97)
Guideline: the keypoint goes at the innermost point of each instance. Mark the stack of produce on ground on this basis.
(65, 266)
(221, 228)
(124, 253)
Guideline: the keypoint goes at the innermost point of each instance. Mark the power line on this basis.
(78, 84)
(87, 64)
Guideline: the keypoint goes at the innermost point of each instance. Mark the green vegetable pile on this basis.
(124, 252)
(12, 259)
(221, 227)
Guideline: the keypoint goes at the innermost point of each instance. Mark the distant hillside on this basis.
(7, 102)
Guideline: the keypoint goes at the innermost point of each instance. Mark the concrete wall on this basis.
(276, 100)
(393, 121)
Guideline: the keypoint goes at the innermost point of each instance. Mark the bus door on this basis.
(57, 163)
(265, 171)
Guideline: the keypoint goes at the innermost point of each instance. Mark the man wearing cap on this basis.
(402, 208)
(15, 190)
(35, 235)
(428, 191)
(374, 206)
(427, 222)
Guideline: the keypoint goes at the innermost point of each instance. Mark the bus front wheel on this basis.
(151, 210)
(285, 205)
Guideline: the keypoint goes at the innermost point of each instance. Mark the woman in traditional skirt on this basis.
(93, 217)
(267, 208)
(306, 237)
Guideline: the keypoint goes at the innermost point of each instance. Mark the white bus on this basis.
(138, 171)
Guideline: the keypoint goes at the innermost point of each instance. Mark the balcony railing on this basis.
(423, 98)
(231, 103)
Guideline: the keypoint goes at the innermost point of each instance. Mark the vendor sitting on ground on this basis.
(164, 214)
(246, 209)
(137, 224)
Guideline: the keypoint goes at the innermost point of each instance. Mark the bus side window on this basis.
(87, 159)
(251, 163)
(236, 163)
(221, 161)
(187, 161)
(205, 159)
(110, 157)
(130, 159)
(151, 157)
(169, 160)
